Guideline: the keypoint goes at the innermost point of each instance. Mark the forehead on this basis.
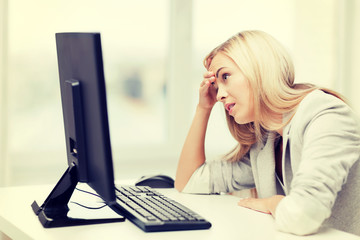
(221, 60)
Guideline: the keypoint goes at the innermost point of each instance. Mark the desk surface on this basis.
(18, 221)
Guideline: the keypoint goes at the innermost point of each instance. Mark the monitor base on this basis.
(53, 212)
(48, 222)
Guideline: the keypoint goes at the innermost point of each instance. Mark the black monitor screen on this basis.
(83, 97)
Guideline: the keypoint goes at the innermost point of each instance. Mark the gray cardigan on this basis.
(320, 164)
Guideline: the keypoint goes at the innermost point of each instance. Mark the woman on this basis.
(298, 144)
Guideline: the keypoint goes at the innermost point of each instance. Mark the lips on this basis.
(229, 107)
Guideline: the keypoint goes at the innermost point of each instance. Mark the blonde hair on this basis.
(270, 71)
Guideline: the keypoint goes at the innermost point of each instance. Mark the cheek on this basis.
(246, 112)
(251, 108)
(249, 95)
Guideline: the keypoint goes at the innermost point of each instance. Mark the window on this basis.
(135, 42)
(153, 52)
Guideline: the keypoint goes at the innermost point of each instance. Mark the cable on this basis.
(94, 194)
(87, 207)
(88, 192)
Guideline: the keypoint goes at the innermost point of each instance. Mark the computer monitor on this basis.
(87, 137)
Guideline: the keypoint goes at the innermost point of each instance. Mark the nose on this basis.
(221, 94)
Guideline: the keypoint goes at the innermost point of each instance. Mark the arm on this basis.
(330, 147)
(329, 139)
(193, 152)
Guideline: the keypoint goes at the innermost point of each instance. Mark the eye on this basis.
(225, 76)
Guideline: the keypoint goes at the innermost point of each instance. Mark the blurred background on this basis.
(153, 52)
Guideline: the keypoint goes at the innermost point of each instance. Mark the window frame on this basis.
(4, 166)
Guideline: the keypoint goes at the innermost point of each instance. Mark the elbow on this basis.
(179, 186)
(299, 228)
(293, 218)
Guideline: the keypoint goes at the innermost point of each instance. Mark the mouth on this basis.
(229, 107)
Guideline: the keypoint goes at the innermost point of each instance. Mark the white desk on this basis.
(229, 221)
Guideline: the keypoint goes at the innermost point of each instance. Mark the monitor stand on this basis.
(53, 212)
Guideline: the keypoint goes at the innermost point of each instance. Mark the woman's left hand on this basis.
(264, 205)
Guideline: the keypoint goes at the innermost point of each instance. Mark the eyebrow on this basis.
(217, 72)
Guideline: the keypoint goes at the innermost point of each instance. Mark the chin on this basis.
(239, 120)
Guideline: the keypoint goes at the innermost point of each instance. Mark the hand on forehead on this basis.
(220, 61)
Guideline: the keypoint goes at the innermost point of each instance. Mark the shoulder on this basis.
(317, 101)
(323, 108)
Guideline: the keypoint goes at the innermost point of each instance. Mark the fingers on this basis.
(207, 92)
(254, 204)
(208, 74)
(209, 78)
(208, 62)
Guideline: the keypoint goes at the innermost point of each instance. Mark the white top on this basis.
(320, 164)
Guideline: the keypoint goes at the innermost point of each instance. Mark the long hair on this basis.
(270, 71)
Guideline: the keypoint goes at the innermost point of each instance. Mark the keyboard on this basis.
(152, 211)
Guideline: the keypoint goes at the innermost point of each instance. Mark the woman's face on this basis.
(233, 89)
